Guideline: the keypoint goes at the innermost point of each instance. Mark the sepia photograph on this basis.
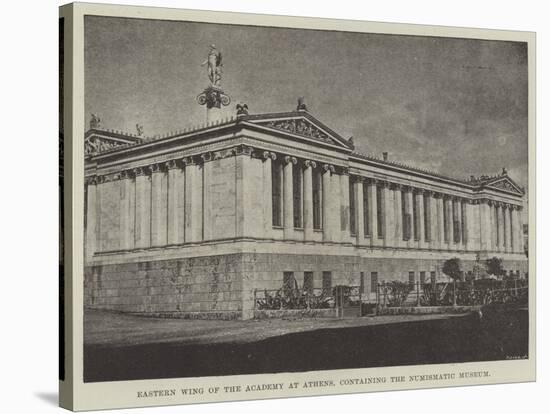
(263, 200)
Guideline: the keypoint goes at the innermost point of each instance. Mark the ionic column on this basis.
(359, 212)
(466, 208)
(449, 212)
(91, 214)
(126, 216)
(288, 199)
(373, 219)
(193, 200)
(158, 216)
(409, 212)
(458, 236)
(432, 214)
(507, 228)
(398, 215)
(308, 199)
(142, 232)
(440, 221)
(419, 196)
(327, 170)
(175, 190)
(500, 223)
(388, 214)
(344, 209)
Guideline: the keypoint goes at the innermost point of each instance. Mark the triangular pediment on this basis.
(504, 183)
(301, 124)
(97, 141)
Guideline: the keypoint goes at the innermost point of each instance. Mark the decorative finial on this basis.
(301, 104)
(95, 122)
(242, 109)
(504, 171)
(351, 143)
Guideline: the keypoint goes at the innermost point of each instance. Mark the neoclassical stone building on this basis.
(191, 223)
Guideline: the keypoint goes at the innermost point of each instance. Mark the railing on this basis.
(470, 293)
(274, 299)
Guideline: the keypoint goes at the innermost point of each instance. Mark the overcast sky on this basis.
(455, 106)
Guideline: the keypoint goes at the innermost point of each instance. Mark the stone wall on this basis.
(194, 287)
(222, 286)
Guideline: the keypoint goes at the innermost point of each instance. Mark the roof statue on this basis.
(242, 109)
(95, 122)
(139, 129)
(214, 66)
(301, 104)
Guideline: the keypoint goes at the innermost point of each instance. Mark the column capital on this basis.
(156, 168)
(141, 171)
(126, 174)
(244, 150)
(328, 168)
(91, 180)
(268, 155)
(395, 186)
(310, 164)
(172, 164)
(384, 183)
(190, 160)
(289, 159)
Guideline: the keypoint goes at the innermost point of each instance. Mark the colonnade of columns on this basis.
(164, 204)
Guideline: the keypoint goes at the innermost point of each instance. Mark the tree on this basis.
(494, 266)
(453, 268)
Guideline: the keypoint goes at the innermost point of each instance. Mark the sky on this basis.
(453, 106)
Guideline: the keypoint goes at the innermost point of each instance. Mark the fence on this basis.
(318, 298)
(471, 293)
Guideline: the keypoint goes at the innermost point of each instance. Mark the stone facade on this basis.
(190, 224)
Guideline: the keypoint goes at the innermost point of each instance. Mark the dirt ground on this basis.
(116, 329)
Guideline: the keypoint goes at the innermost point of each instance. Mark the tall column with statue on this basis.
(213, 96)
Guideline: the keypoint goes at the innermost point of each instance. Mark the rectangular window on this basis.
(276, 196)
(366, 210)
(373, 281)
(379, 212)
(432, 277)
(427, 217)
(308, 282)
(362, 282)
(327, 283)
(289, 282)
(415, 218)
(422, 278)
(352, 224)
(297, 194)
(316, 185)
(411, 278)
(406, 216)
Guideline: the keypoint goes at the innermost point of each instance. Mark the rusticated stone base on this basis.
(223, 286)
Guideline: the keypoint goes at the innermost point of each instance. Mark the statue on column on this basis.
(213, 96)
(214, 66)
